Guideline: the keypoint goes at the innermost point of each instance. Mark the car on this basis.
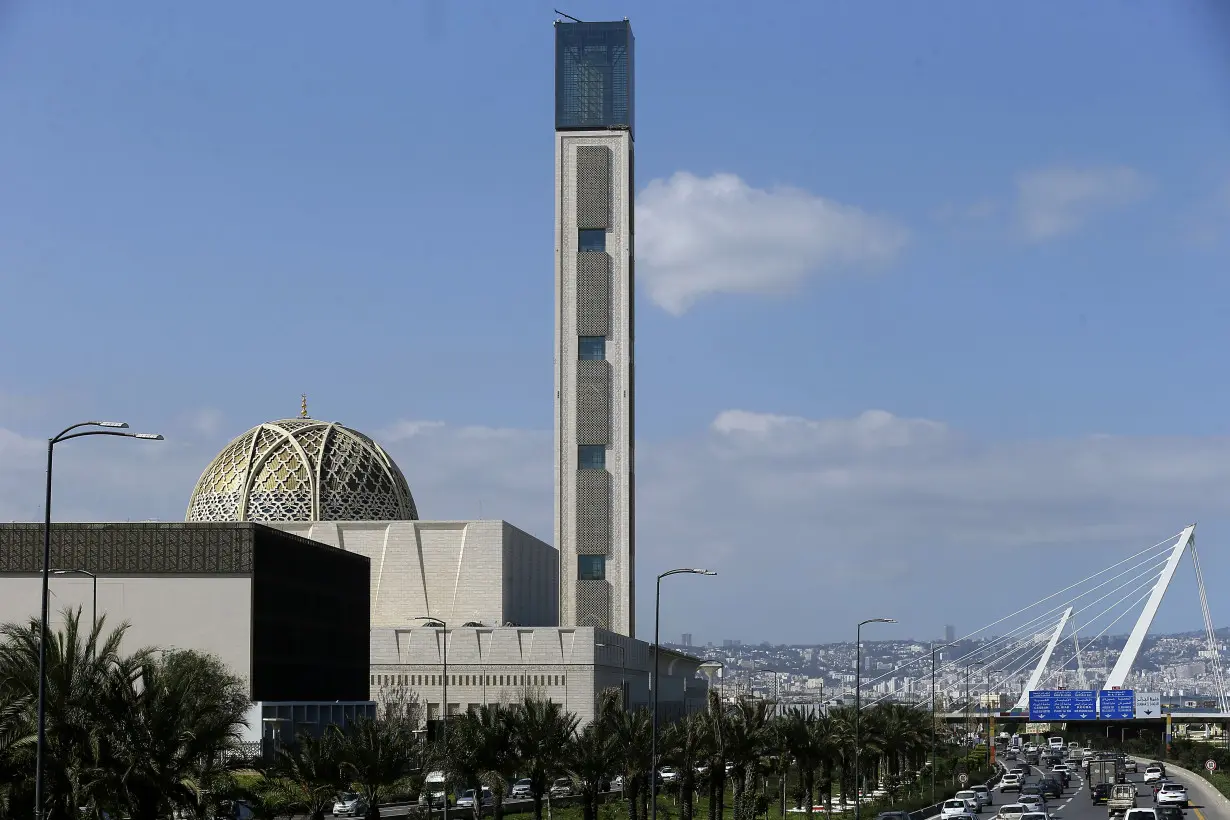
(349, 804)
(562, 787)
(668, 774)
(955, 808)
(970, 796)
(1140, 814)
(1173, 794)
(1035, 815)
(893, 815)
(1061, 767)
(466, 800)
(1169, 812)
(1100, 793)
(1011, 811)
(1051, 788)
(1011, 782)
(1033, 802)
(523, 789)
(1153, 773)
(433, 798)
(1023, 769)
(1130, 765)
(1160, 765)
(984, 793)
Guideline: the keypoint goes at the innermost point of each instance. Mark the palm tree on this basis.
(745, 742)
(375, 755)
(481, 752)
(541, 729)
(632, 731)
(16, 747)
(684, 745)
(801, 743)
(715, 720)
(592, 756)
(312, 771)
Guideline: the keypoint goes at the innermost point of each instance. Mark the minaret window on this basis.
(591, 240)
(591, 348)
(591, 457)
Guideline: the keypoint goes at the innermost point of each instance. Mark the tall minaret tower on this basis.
(594, 513)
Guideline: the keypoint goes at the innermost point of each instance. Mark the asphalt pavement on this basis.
(1075, 803)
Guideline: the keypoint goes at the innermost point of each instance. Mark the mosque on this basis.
(303, 562)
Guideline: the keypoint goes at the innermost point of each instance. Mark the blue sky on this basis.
(1005, 227)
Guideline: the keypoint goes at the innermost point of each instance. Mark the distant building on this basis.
(950, 633)
(687, 639)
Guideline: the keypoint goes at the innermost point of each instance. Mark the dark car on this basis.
(1101, 793)
(893, 815)
(1022, 770)
(1050, 787)
(1169, 813)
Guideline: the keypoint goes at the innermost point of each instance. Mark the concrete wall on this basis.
(504, 665)
(207, 613)
(488, 572)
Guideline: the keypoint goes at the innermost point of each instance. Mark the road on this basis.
(1076, 805)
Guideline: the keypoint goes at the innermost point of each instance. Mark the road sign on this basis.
(1117, 704)
(1063, 704)
(1148, 705)
(1211, 765)
(963, 778)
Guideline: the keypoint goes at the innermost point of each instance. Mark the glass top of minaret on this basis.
(593, 76)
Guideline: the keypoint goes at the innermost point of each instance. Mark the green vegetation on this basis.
(154, 734)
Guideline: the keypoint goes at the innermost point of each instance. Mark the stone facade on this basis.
(504, 665)
(485, 572)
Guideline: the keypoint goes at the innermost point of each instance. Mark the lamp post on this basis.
(991, 718)
(657, 617)
(623, 672)
(94, 579)
(114, 428)
(933, 715)
(858, 705)
(444, 706)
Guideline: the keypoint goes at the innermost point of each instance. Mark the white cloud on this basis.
(700, 236)
(803, 518)
(1054, 202)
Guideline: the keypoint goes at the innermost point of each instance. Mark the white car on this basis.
(562, 787)
(1033, 802)
(955, 808)
(984, 793)
(1172, 794)
(523, 789)
(466, 801)
(1012, 811)
(969, 796)
(1061, 767)
(349, 804)
(1140, 814)
(1035, 815)
(1012, 781)
(668, 774)
(1153, 773)
(1130, 765)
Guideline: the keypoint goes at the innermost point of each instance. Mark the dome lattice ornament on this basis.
(302, 470)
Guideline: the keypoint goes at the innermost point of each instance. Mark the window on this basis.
(591, 240)
(591, 348)
(591, 457)
(591, 567)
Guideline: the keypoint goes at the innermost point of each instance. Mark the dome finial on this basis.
(303, 406)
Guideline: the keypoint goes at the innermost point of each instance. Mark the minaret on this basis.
(594, 513)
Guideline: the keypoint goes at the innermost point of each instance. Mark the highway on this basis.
(1076, 805)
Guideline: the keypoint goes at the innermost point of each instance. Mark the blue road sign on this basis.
(1117, 704)
(1063, 704)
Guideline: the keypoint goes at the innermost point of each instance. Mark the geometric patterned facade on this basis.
(302, 470)
(594, 281)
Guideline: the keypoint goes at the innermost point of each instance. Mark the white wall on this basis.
(488, 572)
(206, 613)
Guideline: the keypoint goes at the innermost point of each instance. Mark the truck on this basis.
(1122, 798)
(1101, 776)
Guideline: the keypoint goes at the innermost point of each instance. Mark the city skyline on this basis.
(937, 320)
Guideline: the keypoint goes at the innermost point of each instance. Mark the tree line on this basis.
(155, 734)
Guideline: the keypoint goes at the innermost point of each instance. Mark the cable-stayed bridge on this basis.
(1033, 648)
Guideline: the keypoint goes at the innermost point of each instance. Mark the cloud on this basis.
(804, 518)
(1055, 202)
(701, 236)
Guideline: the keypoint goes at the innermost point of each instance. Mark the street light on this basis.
(973, 665)
(991, 717)
(623, 672)
(444, 709)
(933, 716)
(94, 579)
(113, 429)
(657, 617)
(858, 705)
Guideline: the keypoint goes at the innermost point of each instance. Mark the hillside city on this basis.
(1176, 665)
